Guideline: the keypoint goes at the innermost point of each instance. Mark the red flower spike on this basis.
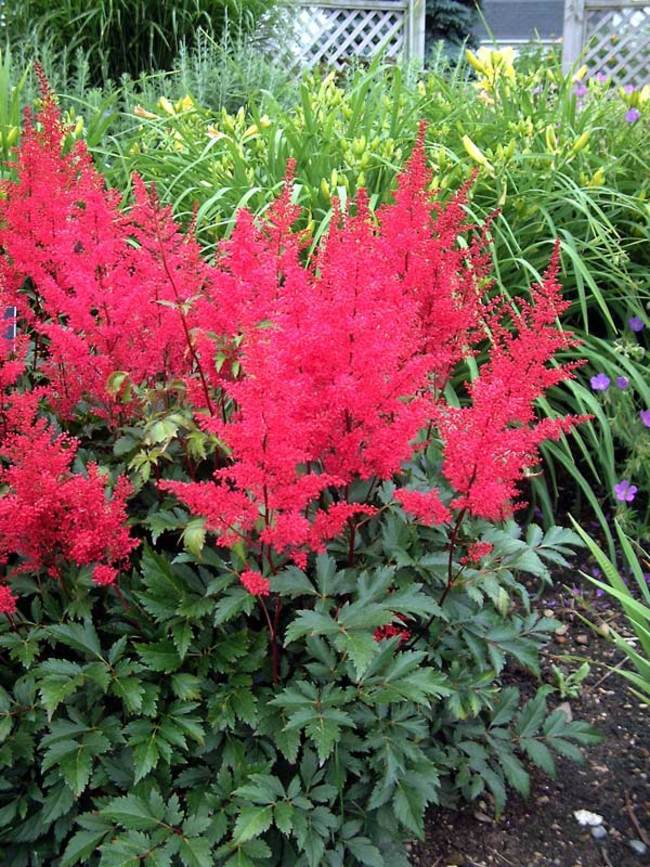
(7, 600)
(255, 583)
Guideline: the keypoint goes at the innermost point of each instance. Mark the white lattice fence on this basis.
(610, 36)
(333, 31)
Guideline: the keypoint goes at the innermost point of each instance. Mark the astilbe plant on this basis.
(334, 495)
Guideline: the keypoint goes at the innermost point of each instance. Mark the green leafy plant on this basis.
(149, 727)
(570, 685)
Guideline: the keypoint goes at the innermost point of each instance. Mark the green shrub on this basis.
(148, 726)
(452, 22)
(127, 36)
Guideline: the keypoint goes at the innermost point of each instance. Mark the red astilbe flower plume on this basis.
(255, 583)
(50, 515)
(489, 444)
(336, 365)
(444, 280)
(426, 506)
(333, 385)
(113, 288)
(7, 600)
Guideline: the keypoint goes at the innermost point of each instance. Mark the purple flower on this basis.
(595, 572)
(636, 324)
(622, 381)
(629, 88)
(632, 115)
(581, 89)
(600, 382)
(599, 592)
(625, 492)
(644, 415)
(602, 77)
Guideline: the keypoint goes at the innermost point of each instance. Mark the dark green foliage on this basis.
(453, 22)
(127, 36)
(146, 727)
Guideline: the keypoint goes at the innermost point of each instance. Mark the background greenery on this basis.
(127, 36)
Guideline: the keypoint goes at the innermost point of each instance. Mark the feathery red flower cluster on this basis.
(313, 376)
(255, 583)
(50, 516)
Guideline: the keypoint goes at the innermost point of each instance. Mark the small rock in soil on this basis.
(638, 847)
(565, 707)
(582, 638)
(586, 817)
(598, 832)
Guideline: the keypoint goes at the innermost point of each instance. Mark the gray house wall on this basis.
(520, 20)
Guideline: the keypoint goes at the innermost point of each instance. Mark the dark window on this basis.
(522, 19)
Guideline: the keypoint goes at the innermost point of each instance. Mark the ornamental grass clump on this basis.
(248, 474)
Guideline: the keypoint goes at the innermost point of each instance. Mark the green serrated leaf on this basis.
(196, 852)
(251, 822)
(81, 846)
(160, 656)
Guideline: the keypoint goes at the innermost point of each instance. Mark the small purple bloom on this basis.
(602, 77)
(599, 592)
(622, 382)
(595, 572)
(644, 415)
(629, 88)
(636, 324)
(632, 115)
(625, 492)
(600, 382)
(581, 89)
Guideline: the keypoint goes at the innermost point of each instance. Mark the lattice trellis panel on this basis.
(333, 31)
(611, 37)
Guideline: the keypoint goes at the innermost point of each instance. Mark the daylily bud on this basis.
(477, 154)
(581, 142)
(598, 178)
(166, 105)
(140, 111)
(185, 104)
(474, 62)
(11, 136)
(551, 138)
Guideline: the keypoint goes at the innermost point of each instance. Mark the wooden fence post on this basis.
(414, 45)
(574, 33)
